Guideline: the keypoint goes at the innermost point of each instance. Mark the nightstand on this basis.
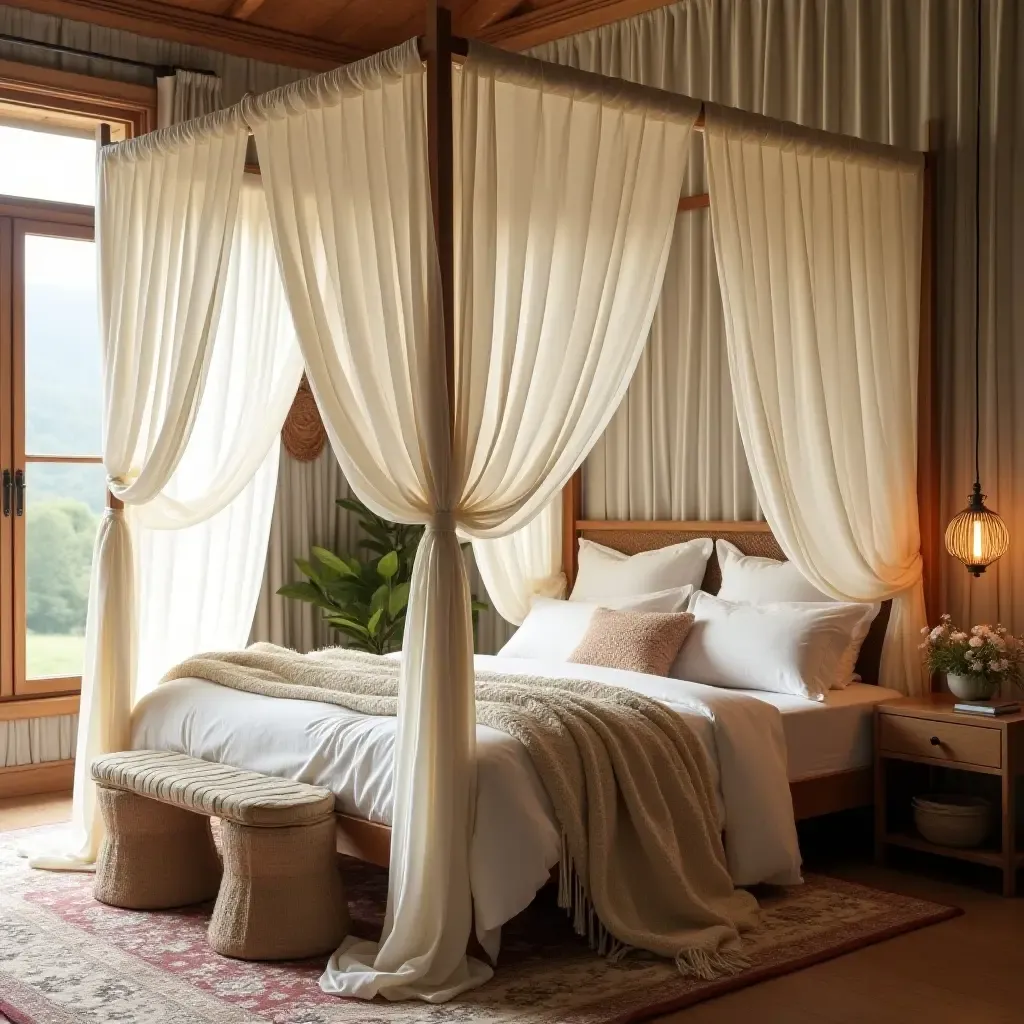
(918, 740)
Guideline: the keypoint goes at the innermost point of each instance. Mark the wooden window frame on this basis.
(7, 643)
(129, 109)
(22, 228)
(57, 97)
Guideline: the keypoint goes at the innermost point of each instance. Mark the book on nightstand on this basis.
(988, 707)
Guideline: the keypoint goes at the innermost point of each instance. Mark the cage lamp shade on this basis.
(977, 536)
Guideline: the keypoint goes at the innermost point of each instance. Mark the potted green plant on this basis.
(365, 598)
(976, 662)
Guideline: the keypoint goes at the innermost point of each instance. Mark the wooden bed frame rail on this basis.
(841, 791)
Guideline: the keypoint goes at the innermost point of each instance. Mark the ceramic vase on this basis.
(972, 687)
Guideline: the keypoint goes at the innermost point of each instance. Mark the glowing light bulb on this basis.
(977, 536)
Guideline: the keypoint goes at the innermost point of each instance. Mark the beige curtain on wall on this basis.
(238, 74)
(183, 95)
(881, 70)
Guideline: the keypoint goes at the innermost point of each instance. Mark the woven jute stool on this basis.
(154, 855)
(281, 896)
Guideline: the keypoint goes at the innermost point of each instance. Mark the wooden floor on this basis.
(966, 971)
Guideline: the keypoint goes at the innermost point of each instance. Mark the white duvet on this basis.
(516, 838)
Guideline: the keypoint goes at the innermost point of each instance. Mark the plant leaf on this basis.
(399, 599)
(380, 597)
(302, 592)
(352, 505)
(346, 624)
(306, 568)
(388, 565)
(371, 626)
(332, 561)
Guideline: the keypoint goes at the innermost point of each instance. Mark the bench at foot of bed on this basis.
(281, 896)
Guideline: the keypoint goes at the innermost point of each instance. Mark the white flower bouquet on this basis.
(988, 652)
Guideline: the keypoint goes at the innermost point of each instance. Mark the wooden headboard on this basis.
(634, 536)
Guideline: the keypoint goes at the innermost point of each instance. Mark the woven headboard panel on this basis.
(752, 538)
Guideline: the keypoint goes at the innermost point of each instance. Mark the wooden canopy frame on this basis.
(440, 49)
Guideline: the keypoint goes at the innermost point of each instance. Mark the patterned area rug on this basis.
(66, 958)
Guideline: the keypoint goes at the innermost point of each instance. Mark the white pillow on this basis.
(604, 572)
(553, 628)
(792, 647)
(754, 579)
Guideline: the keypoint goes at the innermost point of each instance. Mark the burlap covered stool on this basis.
(281, 896)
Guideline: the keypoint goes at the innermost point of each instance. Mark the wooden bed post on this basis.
(572, 501)
(440, 157)
(928, 493)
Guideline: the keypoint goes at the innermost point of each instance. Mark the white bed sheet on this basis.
(832, 736)
(516, 839)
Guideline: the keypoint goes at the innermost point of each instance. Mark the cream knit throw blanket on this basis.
(642, 859)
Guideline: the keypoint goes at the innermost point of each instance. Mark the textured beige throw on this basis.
(642, 859)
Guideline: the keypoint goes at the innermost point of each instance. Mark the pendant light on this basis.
(977, 536)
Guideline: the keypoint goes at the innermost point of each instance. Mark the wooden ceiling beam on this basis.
(196, 28)
(562, 18)
(481, 14)
(243, 9)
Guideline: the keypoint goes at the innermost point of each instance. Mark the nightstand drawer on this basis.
(943, 741)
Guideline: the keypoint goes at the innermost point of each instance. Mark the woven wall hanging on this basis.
(303, 433)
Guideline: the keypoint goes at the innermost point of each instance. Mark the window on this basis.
(53, 486)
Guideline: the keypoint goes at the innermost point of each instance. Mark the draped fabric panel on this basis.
(878, 69)
(158, 313)
(531, 225)
(593, 206)
(184, 95)
(882, 70)
(818, 246)
(366, 336)
(194, 400)
(523, 565)
(673, 449)
(253, 373)
(201, 545)
(236, 75)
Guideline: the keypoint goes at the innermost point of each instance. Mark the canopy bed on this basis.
(465, 250)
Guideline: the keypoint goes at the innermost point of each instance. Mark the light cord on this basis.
(977, 271)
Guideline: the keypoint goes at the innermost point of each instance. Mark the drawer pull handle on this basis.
(936, 742)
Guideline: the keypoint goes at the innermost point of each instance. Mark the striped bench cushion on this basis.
(206, 787)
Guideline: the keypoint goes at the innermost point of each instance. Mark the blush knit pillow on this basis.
(645, 642)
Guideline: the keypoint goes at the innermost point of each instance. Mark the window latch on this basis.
(19, 492)
(7, 493)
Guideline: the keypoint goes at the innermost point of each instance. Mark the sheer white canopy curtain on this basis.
(526, 243)
(193, 401)
(565, 190)
(818, 243)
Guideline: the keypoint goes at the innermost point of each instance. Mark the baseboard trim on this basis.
(45, 777)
